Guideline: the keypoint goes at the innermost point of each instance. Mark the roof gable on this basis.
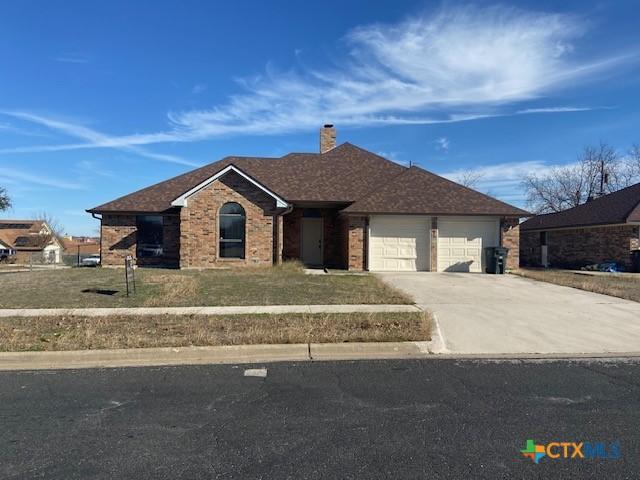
(182, 200)
(618, 207)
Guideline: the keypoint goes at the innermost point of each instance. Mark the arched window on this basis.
(232, 220)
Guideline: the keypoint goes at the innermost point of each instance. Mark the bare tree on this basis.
(56, 227)
(598, 171)
(469, 178)
(632, 164)
(5, 201)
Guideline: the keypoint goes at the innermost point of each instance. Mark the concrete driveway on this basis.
(480, 313)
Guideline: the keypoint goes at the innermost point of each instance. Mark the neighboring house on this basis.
(81, 245)
(344, 207)
(30, 240)
(5, 250)
(606, 229)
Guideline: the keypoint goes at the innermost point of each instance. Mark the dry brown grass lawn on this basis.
(82, 333)
(104, 287)
(620, 285)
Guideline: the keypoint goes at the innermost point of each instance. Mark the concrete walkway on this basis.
(505, 314)
(231, 310)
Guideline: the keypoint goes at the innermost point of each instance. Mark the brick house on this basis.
(606, 229)
(343, 207)
(24, 241)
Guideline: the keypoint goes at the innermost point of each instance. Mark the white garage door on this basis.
(461, 242)
(399, 243)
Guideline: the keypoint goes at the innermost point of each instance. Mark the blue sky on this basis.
(98, 99)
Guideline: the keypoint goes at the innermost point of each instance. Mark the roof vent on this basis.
(327, 137)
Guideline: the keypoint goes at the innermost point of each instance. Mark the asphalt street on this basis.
(366, 419)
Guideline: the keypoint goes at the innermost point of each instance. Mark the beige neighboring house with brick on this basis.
(344, 207)
(25, 241)
(606, 229)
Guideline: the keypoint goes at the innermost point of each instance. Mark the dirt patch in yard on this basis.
(119, 331)
(620, 285)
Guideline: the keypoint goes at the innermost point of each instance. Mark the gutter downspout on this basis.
(287, 211)
(99, 218)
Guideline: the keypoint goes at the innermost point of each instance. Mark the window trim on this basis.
(242, 241)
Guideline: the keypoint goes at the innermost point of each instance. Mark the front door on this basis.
(312, 241)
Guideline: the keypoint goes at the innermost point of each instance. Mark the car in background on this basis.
(91, 260)
(6, 254)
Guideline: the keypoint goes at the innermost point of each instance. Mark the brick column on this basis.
(185, 240)
(510, 238)
(278, 233)
(433, 245)
(356, 242)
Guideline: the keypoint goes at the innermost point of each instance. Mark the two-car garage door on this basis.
(401, 243)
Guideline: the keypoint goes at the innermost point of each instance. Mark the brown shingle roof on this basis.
(342, 175)
(339, 175)
(417, 191)
(622, 206)
(22, 234)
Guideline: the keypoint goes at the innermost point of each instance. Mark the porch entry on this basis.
(312, 239)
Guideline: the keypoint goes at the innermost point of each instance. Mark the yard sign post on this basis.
(129, 276)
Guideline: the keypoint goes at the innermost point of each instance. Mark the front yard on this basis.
(119, 331)
(105, 287)
(622, 285)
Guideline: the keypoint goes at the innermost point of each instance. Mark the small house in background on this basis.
(29, 241)
(82, 246)
(603, 230)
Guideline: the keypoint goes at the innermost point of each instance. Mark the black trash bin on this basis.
(635, 260)
(496, 259)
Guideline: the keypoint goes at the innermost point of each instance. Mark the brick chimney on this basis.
(327, 138)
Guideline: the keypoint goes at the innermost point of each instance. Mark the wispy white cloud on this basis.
(14, 175)
(443, 143)
(93, 139)
(72, 58)
(554, 110)
(198, 88)
(393, 156)
(456, 64)
(88, 168)
(501, 180)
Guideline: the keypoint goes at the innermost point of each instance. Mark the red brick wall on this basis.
(119, 239)
(510, 235)
(574, 248)
(356, 242)
(199, 224)
(292, 223)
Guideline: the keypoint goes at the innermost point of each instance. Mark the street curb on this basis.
(250, 354)
(366, 351)
(143, 357)
(226, 310)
